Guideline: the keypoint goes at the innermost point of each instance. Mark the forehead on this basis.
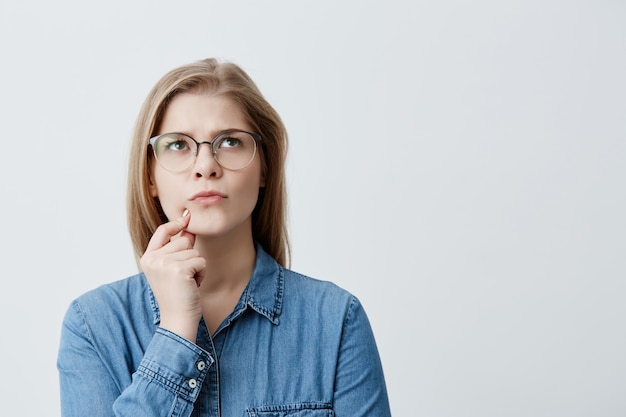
(202, 114)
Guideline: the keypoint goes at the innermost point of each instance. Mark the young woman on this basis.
(215, 324)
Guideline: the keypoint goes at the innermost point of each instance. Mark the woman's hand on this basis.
(174, 271)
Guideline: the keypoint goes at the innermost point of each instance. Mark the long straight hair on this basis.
(269, 217)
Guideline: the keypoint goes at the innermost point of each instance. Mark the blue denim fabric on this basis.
(293, 346)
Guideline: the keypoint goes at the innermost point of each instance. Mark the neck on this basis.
(229, 262)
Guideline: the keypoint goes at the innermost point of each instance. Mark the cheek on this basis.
(250, 191)
(167, 190)
(249, 188)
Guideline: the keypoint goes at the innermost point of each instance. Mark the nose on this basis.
(205, 165)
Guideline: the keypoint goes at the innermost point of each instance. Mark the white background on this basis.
(459, 166)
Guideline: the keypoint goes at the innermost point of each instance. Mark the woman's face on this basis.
(220, 201)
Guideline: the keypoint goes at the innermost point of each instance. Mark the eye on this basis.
(174, 143)
(230, 142)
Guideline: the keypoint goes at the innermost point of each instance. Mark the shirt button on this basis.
(192, 383)
(201, 365)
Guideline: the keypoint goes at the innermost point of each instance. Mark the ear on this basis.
(153, 188)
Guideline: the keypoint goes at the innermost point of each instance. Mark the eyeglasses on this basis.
(232, 149)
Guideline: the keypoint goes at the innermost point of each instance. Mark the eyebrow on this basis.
(219, 132)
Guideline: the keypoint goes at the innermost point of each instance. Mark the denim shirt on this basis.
(293, 346)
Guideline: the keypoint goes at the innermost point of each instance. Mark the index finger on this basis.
(166, 231)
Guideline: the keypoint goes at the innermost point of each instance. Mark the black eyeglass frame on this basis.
(257, 138)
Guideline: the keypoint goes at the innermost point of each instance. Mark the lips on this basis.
(207, 197)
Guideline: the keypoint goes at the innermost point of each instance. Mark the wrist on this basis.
(184, 328)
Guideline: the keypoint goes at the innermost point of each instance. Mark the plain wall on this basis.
(459, 166)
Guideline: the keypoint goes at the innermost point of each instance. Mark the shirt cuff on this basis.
(175, 363)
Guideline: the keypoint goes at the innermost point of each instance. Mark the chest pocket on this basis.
(312, 409)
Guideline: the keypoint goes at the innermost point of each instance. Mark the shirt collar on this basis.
(264, 292)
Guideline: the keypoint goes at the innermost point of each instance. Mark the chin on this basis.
(220, 225)
(209, 232)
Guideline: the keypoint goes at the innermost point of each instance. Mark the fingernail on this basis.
(185, 213)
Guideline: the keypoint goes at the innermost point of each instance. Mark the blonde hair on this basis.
(144, 212)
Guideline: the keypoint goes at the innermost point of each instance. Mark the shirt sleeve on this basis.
(166, 382)
(360, 388)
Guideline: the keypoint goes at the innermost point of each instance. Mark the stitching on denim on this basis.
(273, 313)
(307, 405)
(153, 376)
(153, 302)
(354, 302)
